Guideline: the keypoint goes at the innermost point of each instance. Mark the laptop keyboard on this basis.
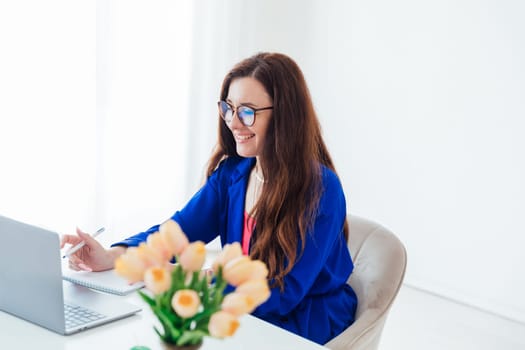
(78, 315)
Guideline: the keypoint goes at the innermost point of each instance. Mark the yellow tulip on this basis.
(175, 240)
(157, 279)
(130, 265)
(192, 258)
(222, 324)
(228, 253)
(156, 243)
(257, 289)
(186, 303)
(238, 304)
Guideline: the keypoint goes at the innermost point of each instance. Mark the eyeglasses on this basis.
(245, 114)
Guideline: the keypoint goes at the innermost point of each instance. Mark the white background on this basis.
(108, 116)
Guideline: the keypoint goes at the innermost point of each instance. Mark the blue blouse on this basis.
(316, 303)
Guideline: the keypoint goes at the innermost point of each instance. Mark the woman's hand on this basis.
(92, 256)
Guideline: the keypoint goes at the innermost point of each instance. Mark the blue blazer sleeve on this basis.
(317, 271)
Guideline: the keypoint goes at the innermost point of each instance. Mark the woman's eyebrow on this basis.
(248, 104)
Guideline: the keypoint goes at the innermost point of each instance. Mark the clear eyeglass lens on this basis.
(226, 111)
(246, 115)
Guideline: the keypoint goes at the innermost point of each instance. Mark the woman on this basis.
(272, 187)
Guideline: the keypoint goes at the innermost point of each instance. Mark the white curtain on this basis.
(143, 72)
(94, 112)
(47, 112)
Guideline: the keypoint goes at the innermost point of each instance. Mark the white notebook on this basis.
(105, 281)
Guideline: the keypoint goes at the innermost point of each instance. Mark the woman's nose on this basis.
(236, 121)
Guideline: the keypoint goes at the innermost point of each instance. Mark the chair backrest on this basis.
(379, 267)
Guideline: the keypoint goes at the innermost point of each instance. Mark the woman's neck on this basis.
(257, 171)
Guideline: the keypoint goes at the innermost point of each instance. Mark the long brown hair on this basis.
(290, 161)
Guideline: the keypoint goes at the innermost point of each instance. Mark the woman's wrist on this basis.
(117, 251)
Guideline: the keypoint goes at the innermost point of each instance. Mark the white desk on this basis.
(253, 334)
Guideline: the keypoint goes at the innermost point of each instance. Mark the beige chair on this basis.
(379, 267)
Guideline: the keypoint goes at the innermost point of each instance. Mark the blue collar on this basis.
(243, 168)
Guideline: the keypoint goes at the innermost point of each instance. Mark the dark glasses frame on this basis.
(240, 111)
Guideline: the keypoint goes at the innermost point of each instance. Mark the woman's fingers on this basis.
(78, 264)
(72, 266)
(90, 241)
(85, 267)
(91, 257)
(69, 239)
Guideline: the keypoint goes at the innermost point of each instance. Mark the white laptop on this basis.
(31, 285)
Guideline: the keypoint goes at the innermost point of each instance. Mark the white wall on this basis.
(422, 107)
(424, 116)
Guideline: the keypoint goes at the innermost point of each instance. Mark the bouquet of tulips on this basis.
(191, 303)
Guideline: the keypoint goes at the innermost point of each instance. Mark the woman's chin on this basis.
(246, 153)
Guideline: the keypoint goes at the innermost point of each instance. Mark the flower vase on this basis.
(169, 346)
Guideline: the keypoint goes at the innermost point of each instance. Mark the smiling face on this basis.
(248, 91)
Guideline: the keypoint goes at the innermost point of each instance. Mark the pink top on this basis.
(249, 225)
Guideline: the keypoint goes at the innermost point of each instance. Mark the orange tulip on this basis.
(259, 270)
(130, 265)
(242, 269)
(186, 303)
(228, 253)
(149, 255)
(175, 240)
(157, 279)
(237, 270)
(192, 258)
(257, 289)
(238, 304)
(222, 324)
(156, 243)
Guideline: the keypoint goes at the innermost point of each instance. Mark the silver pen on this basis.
(81, 244)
